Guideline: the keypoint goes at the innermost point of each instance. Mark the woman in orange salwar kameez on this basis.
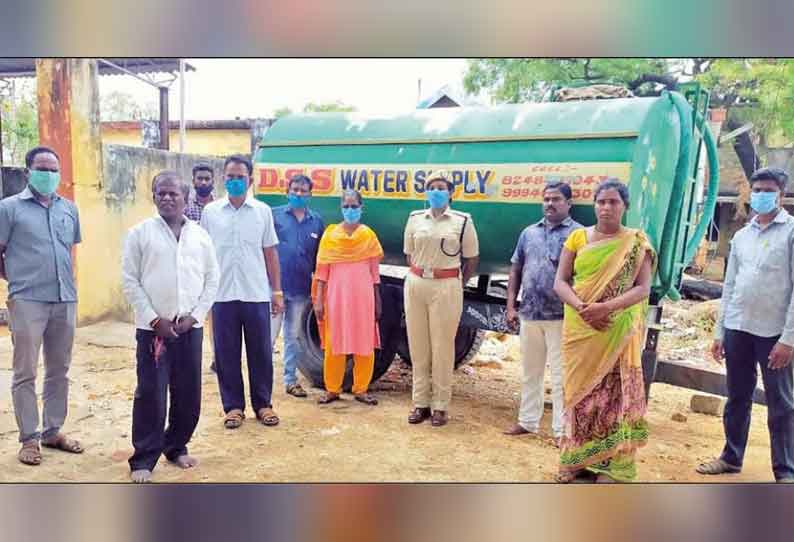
(347, 300)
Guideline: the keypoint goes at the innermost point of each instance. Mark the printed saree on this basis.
(604, 396)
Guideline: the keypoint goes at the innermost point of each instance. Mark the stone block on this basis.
(707, 404)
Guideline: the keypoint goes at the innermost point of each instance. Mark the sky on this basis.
(222, 89)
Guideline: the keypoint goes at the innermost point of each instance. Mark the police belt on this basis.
(427, 273)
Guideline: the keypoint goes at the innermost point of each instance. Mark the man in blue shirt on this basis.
(756, 327)
(299, 230)
(38, 230)
(534, 266)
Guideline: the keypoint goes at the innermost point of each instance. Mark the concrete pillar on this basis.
(68, 100)
(68, 104)
(165, 142)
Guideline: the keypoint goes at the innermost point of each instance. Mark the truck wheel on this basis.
(467, 343)
(310, 362)
(649, 361)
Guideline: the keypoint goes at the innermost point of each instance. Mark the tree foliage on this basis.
(328, 107)
(20, 122)
(757, 90)
(510, 80)
(118, 106)
(282, 112)
(311, 107)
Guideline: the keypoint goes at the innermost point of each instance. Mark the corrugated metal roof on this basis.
(26, 67)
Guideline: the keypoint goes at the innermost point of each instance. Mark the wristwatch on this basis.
(278, 292)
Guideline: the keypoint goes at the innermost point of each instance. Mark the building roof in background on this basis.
(232, 124)
(443, 97)
(26, 67)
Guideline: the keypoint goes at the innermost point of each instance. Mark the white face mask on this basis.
(763, 202)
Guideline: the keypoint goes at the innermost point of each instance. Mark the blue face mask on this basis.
(297, 202)
(44, 182)
(351, 215)
(437, 198)
(236, 186)
(204, 190)
(763, 202)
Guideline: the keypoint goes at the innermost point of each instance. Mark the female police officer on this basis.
(438, 242)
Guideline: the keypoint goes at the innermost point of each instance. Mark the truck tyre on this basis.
(649, 362)
(467, 343)
(310, 362)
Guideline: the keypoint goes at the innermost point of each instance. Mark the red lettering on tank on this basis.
(322, 179)
(288, 175)
(268, 179)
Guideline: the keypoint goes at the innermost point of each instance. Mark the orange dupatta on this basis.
(336, 246)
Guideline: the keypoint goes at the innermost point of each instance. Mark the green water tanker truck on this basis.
(499, 159)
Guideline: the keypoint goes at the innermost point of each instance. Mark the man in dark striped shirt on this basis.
(202, 184)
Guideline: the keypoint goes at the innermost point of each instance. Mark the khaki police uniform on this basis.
(433, 306)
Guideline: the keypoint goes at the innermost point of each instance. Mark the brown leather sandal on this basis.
(296, 390)
(267, 416)
(30, 453)
(64, 443)
(234, 419)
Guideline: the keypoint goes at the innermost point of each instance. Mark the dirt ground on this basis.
(351, 442)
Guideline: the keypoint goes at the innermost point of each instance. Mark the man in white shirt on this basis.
(170, 277)
(242, 230)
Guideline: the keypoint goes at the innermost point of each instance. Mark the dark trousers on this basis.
(742, 352)
(230, 320)
(177, 372)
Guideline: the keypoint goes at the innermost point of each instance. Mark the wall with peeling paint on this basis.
(217, 142)
(107, 212)
(111, 184)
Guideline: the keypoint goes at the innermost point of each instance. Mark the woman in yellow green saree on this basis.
(604, 279)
